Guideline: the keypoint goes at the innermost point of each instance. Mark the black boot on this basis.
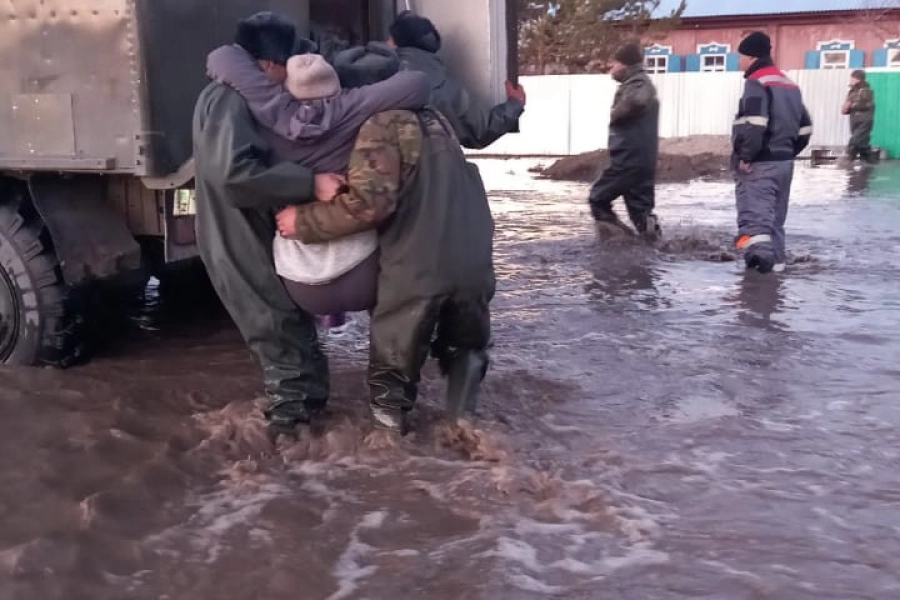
(465, 370)
(647, 226)
(763, 262)
(609, 226)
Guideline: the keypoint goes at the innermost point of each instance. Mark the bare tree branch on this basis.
(880, 14)
(578, 36)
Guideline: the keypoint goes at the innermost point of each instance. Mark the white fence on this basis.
(569, 114)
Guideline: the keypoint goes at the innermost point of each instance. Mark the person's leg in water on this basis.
(757, 195)
(463, 335)
(400, 338)
(640, 201)
(613, 183)
(786, 177)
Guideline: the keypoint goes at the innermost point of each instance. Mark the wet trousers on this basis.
(860, 144)
(354, 291)
(635, 185)
(403, 332)
(236, 247)
(762, 205)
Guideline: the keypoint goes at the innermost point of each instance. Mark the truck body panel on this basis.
(108, 86)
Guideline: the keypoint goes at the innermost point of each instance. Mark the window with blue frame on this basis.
(836, 54)
(659, 59)
(889, 56)
(713, 58)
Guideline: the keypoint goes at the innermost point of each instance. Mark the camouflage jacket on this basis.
(386, 152)
(861, 99)
(409, 178)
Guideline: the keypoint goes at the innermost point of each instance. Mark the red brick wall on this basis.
(791, 41)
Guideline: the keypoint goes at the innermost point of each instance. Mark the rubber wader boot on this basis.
(390, 419)
(649, 229)
(465, 372)
(763, 262)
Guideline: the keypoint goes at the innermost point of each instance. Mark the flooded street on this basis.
(657, 424)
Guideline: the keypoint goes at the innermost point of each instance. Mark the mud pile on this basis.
(680, 159)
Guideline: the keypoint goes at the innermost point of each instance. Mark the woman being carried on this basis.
(312, 121)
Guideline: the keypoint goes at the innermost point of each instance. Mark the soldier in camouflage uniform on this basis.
(860, 106)
(409, 178)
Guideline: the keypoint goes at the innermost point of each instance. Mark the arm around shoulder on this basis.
(238, 160)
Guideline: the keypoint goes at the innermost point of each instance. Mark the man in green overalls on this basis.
(238, 190)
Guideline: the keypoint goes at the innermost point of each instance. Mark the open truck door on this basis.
(479, 37)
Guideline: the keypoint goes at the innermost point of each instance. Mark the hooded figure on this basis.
(633, 148)
(771, 128)
(239, 185)
(417, 42)
(860, 106)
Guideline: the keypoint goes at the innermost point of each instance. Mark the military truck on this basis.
(96, 104)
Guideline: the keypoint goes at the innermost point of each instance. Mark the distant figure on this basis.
(633, 149)
(771, 128)
(860, 106)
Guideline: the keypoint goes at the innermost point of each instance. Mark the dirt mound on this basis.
(680, 159)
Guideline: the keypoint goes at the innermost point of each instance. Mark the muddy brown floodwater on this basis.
(657, 425)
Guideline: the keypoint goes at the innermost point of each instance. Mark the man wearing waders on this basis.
(771, 128)
(409, 178)
(238, 190)
(417, 42)
(860, 106)
(633, 149)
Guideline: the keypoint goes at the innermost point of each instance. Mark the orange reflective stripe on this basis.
(745, 241)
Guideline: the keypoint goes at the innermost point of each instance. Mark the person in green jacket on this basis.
(239, 188)
(418, 42)
(860, 106)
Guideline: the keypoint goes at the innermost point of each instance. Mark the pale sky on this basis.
(737, 7)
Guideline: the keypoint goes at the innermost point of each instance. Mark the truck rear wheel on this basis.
(37, 321)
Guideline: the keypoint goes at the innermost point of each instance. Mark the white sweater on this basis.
(318, 264)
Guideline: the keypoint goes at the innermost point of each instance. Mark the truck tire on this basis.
(37, 321)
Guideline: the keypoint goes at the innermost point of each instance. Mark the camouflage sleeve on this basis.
(386, 151)
(635, 100)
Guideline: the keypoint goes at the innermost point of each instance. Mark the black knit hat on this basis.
(305, 46)
(266, 36)
(410, 30)
(756, 45)
(630, 54)
(366, 65)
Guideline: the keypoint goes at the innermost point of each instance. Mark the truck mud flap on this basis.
(91, 240)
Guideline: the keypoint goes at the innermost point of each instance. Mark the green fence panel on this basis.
(886, 133)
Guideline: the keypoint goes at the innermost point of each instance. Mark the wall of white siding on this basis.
(568, 114)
